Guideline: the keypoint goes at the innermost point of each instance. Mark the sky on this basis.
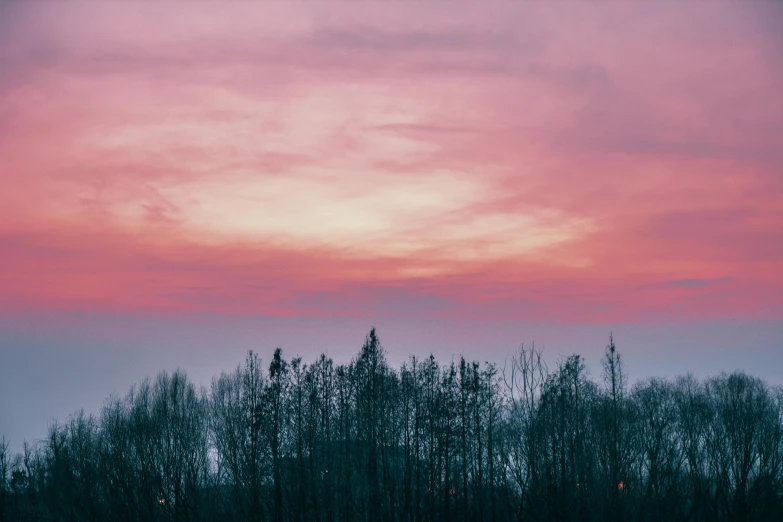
(182, 182)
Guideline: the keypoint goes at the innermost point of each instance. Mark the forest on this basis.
(286, 440)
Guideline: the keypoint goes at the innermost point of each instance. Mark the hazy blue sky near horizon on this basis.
(78, 361)
(183, 181)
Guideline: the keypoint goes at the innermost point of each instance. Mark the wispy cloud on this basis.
(289, 159)
(698, 283)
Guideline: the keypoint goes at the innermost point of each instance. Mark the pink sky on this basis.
(570, 163)
(181, 182)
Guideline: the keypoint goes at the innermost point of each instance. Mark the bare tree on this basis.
(524, 378)
(364, 441)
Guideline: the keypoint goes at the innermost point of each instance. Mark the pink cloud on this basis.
(512, 162)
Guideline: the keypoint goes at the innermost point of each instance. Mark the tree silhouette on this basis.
(362, 441)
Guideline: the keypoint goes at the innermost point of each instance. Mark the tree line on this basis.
(362, 441)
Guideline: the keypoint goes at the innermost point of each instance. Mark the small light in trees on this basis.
(621, 486)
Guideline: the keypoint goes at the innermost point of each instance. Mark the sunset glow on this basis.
(182, 182)
(537, 162)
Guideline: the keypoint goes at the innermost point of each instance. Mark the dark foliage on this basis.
(365, 442)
